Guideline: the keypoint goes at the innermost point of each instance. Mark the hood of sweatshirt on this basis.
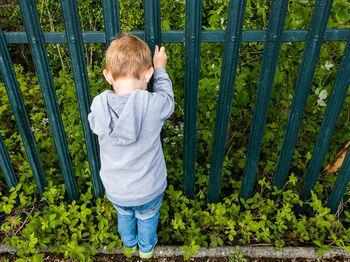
(118, 116)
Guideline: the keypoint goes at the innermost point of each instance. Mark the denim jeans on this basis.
(138, 224)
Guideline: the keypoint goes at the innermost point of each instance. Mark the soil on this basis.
(122, 258)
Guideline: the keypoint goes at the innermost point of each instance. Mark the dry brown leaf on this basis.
(11, 219)
(337, 162)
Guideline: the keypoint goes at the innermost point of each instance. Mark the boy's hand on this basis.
(159, 58)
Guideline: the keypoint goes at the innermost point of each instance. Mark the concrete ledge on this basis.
(248, 251)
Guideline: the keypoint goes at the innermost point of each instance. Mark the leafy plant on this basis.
(76, 229)
(238, 256)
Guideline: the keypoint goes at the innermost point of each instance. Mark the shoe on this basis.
(149, 254)
(128, 251)
(146, 255)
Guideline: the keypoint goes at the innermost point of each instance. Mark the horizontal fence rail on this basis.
(208, 36)
(193, 36)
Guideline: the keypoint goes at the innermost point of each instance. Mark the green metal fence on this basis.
(193, 36)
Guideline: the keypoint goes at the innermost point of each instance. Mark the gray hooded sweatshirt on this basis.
(128, 127)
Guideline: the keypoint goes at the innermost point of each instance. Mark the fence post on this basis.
(233, 37)
(15, 97)
(38, 50)
(335, 102)
(193, 35)
(340, 184)
(309, 60)
(111, 19)
(153, 33)
(6, 166)
(76, 53)
(272, 45)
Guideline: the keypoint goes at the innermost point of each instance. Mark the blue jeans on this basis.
(138, 224)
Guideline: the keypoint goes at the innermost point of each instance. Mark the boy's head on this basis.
(128, 57)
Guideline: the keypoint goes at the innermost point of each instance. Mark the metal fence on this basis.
(193, 36)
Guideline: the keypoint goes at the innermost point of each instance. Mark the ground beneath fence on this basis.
(122, 258)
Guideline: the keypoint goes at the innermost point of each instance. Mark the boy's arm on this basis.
(163, 88)
(162, 84)
(93, 117)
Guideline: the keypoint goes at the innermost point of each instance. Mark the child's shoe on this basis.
(149, 254)
(146, 255)
(128, 251)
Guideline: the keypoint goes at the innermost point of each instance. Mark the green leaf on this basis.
(8, 208)
(186, 255)
(320, 252)
(37, 258)
(320, 102)
(347, 248)
(230, 237)
(318, 243)
(323, 94)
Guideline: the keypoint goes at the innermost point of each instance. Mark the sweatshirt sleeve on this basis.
(164, 91)
(98, 118)
(92, 118)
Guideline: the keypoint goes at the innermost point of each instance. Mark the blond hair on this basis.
(128, 56)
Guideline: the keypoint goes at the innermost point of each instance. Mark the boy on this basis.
(128, 122)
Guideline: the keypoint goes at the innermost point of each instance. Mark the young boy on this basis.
(128, 122)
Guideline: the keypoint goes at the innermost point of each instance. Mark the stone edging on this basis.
(248, 251)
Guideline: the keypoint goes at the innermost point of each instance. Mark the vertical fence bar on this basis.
(273, 40)
(193, 35)
(330, 117)
(153, 31)
(6, 166)
(309, 60)
(340, 184)
(76, 53)
(111, 19)
(233, 37)
(14, 94)
(38, 50)
(17, 104)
